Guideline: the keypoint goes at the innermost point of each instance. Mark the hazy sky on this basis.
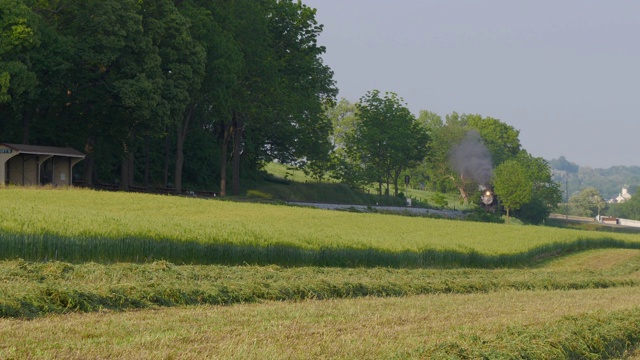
(563, 72)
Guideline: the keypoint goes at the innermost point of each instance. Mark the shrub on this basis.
(255, 194)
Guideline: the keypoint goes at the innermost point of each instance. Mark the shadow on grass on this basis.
(46, 247)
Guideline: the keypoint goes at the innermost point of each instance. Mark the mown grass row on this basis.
(33, 289)
(583, 324)
(600, 335)
(88, 248)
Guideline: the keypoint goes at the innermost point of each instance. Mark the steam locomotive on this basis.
(488, 198)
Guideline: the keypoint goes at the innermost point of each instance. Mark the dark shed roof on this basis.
(45, 150)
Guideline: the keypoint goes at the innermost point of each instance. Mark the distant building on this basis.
(622, 197)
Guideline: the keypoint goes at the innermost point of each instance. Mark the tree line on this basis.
(160, 92)
(377, 139)
(589, 202)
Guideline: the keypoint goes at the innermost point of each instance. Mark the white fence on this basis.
(601, 219)
(627, 222)
(618, 221)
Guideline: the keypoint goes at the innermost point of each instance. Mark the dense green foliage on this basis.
(587, 202)
(460, 155)
(161, 93)
(545, 193)
(512, 185)
(385, 140)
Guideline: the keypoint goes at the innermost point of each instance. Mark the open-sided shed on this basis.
(37, 165)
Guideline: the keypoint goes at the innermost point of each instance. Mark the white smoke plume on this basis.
(472, 159)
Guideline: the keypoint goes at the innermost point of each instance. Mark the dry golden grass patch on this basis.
(635, 355)
(596, 260)
(358, 328)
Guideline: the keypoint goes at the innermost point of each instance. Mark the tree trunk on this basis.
(460, 186)
(237, 149)
(131, 163)
(167, 158)
(177, 174)
(87, 176)
(183, 128)
(396, 176)
(224, 149)
(128, 160)
(124, 173)
(386, 189)
(124, 168)
(464, 195)
(147, 160)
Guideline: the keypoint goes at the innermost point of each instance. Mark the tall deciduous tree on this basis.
(343, 117)
(297, 129)
(387, 139)
(423, 172)
(214, 26)
(278, 108)
(182, 72)
(546, 194)
(501, 139)
(247, 22)
(19, 37)
(587, 202)
(439, 168)
(512, 184)
(117, 83)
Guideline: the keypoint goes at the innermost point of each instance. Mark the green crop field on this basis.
(87, 274)
(84, 225)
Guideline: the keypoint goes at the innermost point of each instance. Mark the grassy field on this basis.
(115, 275)
(578, 306)
(84, 225)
